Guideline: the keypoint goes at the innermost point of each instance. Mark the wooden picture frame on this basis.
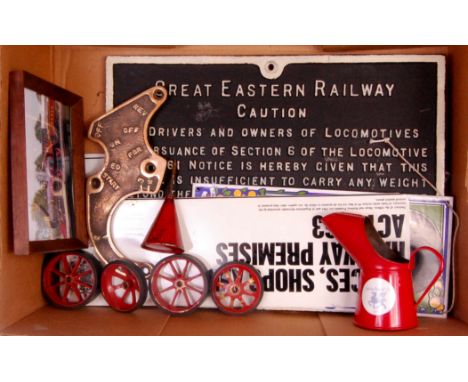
(47, 166)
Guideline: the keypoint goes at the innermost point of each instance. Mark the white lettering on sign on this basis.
(243, 151)
(307, 151)
(210, 165)
(222, 132)
(237, 180)
(321, 181)
(371, 133)
(324, 89)
(244, 111)
(255, 132)
(332, 152)
(183, 132)
(283, 166)
(378, 152)
(401, 182)
(421, 167)
(361, 182)
(327, 166)
(186, 151)
(228, 89)
(376, 167)
(186, 90)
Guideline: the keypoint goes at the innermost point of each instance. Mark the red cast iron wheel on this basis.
(179, 284)
(237, 288)
(70, 279)
(124, 286)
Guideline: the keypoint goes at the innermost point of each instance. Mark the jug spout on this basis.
(345, 227)
(360, 239)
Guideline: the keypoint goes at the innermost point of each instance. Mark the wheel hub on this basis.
(180, 284)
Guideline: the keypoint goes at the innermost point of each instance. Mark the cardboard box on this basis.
(82, 70)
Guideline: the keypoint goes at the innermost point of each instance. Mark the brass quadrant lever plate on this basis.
(131, 167)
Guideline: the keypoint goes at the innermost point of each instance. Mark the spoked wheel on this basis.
(70, 279)
(237, 288)
(179, 284)
(124, 286)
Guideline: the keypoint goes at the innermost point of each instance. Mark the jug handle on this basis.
(436, 277)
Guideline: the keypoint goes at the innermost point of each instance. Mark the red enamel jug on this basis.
(386, 300)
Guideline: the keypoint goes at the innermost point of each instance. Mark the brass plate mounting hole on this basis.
(271, 66)
(96, 183)
(158, 94)
(150, 168)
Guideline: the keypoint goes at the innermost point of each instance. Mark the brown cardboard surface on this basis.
(337, 324)
(81, 70)
(20, 292)
(459, 180)
(260, 323)
(90, 321)
(103, 321)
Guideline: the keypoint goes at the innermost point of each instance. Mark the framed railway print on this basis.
(47, 166)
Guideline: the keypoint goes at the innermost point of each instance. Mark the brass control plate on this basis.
(131, 167)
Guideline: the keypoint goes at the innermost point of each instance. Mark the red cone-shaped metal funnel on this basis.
(164, 234)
